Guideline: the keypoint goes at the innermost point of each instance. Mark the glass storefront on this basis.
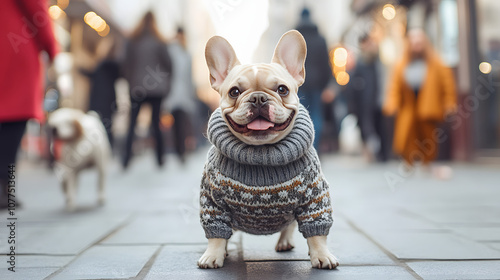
(487, 70)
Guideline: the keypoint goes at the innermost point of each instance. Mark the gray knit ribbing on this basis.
(260, 175)
(265, 164)
(291, 148)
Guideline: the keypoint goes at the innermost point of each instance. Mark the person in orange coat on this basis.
(421, 94)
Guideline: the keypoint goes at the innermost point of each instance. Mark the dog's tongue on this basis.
(260, 124)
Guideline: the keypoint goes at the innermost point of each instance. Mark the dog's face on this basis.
(259, 102)
(65, 124)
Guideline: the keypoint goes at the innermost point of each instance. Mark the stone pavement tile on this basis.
(31, 273)
(469, 270)
(428, 245)
(108, 262)
(66, 236)
(352, 248)
(479, 233)
(179, 262)
(24, 261)
(464, 213)
(159, 228)
(303, 270)
(392, 218)
(339, 222)
(494, 245)
(261, 247)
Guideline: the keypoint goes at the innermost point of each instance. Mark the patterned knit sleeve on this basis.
(315, 215)
(214, 217)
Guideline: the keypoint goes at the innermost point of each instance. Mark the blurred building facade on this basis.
(463, 31)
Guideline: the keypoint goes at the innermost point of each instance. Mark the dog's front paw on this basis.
(212, 259)
(324, 260)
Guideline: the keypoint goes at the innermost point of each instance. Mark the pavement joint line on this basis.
(113, 231)
(149, 264)
(150, 244)
(43, 255)
(280, 260)
(472, 225)
(426, 219)
(447, 230)
(387, 252)
(308, 260)
(449, 260)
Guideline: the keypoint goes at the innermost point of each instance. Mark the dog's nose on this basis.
(54, 132)
(258, 99)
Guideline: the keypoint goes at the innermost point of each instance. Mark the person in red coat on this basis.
(26, 32)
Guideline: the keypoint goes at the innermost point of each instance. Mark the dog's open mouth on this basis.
(260, 124)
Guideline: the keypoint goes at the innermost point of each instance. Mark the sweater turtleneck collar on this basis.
(289, 149)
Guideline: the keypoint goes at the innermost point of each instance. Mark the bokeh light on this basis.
(104, 32)
(485, 67)
(340, 57)
(389, 12)
(55, 12)
(97, 23)
(63, 4)
(342, 78)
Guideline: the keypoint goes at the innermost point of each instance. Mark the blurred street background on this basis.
(404, 96)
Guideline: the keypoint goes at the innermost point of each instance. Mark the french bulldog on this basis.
(259, 103)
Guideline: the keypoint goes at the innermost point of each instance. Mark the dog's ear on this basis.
(221, 58)
(78, 129)
(291, 53)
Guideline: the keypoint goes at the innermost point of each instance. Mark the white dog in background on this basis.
(84, 145)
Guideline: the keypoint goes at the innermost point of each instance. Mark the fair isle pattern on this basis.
(234, 192)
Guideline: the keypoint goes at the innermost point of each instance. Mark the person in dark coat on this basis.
(365, 97)
(102, 88)
(182, 100)
(318, 72)
(148, 69)
(26, 32)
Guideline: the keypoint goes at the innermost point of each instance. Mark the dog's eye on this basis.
(283, 90)
(234, 92)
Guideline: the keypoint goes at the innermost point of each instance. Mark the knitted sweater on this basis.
(262, 189)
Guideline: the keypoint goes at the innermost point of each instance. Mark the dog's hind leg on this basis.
(285, 243)
(69, 187)
(101, 198)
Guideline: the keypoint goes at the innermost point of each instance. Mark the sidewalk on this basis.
(419, 228)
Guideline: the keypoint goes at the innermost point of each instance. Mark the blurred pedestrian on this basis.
(365, 97)
(421, 95)
(181, 102)
(26, 32)
(102, 84)
(318, 73)
(148, 69)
